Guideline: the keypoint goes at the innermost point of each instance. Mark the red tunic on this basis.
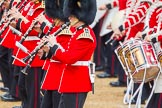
(71, 78)
(54, 69)
(8, 36)
(33, 12)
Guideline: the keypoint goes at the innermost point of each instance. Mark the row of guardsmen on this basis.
(45, 53)
(48, 45)
(119, 21)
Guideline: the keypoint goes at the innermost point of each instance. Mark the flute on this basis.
(31, 56)
(8, 14)
(34, 22)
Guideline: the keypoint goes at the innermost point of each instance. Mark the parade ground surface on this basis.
(105, 96)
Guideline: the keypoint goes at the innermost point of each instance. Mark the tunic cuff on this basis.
(52, 51)
(109, 6)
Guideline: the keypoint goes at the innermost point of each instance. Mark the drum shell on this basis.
(160, 58)
(141, 58)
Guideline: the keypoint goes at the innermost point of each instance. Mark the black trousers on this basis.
(51, 99)
(156, 101)
(146, 90)
(99, 53)
(29, 87)
(118, 67)
(111, 59)
(72, 100)
(4, 66)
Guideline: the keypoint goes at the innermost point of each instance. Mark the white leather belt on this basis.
(78, 63)
(30, 38)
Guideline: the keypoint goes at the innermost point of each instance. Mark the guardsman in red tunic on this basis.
(13, 89)
(5, 73)
(54, 68)
(74, 52)
(29, 85)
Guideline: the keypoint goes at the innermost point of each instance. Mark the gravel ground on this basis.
(105, 96)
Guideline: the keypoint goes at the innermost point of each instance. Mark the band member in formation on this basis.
(4, 54)
(72, 52)
(7, 51)
(29, 85)
(154, 27)
(133, 22)
(53, 68)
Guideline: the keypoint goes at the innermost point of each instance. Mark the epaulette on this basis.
(66, 31)
(85, 35)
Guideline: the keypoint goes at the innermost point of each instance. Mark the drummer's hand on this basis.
(117, 34)
(147, 38)
(138, 35)
(102, 7)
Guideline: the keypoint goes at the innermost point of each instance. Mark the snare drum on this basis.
(160, 58)
(142, 61)
(121, 55)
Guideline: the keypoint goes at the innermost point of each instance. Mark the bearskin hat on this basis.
(54, 9)
(84, 10)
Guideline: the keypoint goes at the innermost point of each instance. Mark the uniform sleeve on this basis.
(79, 49)
(47, 25)
(82, 47)
(135, 17)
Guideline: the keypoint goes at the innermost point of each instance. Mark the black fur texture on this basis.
(85, 10)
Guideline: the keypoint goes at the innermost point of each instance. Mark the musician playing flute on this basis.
(53, 68)
(29, 84)
(73, 52)
(6, 52)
